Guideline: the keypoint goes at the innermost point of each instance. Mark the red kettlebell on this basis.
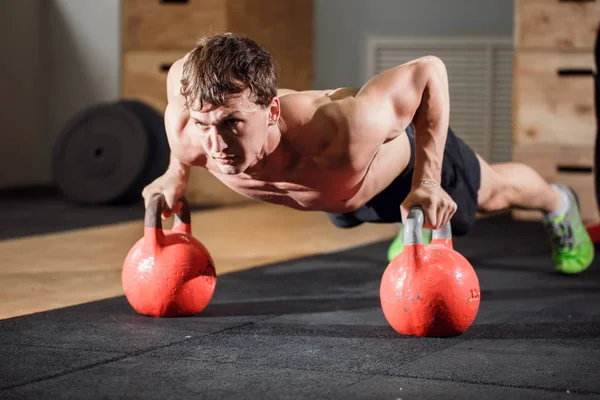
(168, 273)
(429, 289)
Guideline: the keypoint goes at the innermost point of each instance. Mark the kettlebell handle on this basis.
(153, 217)
(413, 228)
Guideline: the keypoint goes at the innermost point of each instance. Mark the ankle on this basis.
(558, 203)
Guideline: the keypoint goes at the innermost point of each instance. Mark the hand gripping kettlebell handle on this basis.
(153, 217)
(413, 228)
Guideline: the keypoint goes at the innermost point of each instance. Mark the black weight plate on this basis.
(100, 154)
(159, 154)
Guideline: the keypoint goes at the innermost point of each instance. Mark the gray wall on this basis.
(22, 153)
(343, 26)
(58, 56)
(82, 57)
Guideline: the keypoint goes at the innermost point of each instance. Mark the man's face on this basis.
(235, 136)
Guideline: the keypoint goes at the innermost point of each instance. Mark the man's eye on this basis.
(201, 125)
(232, 122)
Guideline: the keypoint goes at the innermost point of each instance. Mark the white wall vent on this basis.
(480, 78)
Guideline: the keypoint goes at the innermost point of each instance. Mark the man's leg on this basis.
(516, 185)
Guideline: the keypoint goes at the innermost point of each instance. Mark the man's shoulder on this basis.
(322, 122)
(176, 69)
(328, 132)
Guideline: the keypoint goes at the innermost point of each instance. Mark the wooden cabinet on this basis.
(146, 74)
(553, 94)
(165, 25)
(557, 25)
(156, 33)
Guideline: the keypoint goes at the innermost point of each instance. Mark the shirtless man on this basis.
(365, 155)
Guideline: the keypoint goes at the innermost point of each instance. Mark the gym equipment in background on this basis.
(108, 152)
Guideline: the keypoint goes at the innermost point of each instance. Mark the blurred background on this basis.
(297, 304)
(521, 76)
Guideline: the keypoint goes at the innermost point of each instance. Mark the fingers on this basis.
(146, 196)
(173, 203)
(407, 206)
(178, 207)
(429, 213)
(167, 211)
(446, 212)
(172, 189)
(404, 209)
(451, 211)
(441, 215)
(438, 207)
(431, 216)
(149, 191)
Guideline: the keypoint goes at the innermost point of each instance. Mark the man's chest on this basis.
(307, 187)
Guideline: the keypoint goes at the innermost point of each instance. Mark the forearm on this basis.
(178, 168)
(431, 124)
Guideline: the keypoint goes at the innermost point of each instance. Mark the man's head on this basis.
(230, 87)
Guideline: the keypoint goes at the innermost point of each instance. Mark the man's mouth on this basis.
(226, 160)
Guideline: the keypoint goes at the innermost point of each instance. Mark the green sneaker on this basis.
(397, 244)
(572, 248)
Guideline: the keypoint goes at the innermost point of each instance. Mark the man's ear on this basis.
(274, 111)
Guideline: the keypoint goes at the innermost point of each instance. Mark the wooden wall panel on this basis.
(156, 25)
(556, 24)
(145, 76)
(285, 28)
(553, 94)
(554, 99)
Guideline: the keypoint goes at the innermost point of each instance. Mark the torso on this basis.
(310, 185)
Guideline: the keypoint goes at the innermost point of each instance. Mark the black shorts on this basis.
(461, 177)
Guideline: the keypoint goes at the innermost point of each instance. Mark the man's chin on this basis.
(231, 169)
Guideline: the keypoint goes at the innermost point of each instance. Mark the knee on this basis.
(496, 202)
(499, 193)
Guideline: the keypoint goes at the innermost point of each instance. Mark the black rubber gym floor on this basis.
(312, 328)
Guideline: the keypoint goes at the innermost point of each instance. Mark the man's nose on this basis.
(217, 144)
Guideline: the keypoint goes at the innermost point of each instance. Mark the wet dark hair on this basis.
(224, 66)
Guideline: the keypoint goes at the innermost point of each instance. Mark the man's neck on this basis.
(278, 155)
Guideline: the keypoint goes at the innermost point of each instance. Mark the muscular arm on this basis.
(418, 92)
(176, 116)
(172, 184)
